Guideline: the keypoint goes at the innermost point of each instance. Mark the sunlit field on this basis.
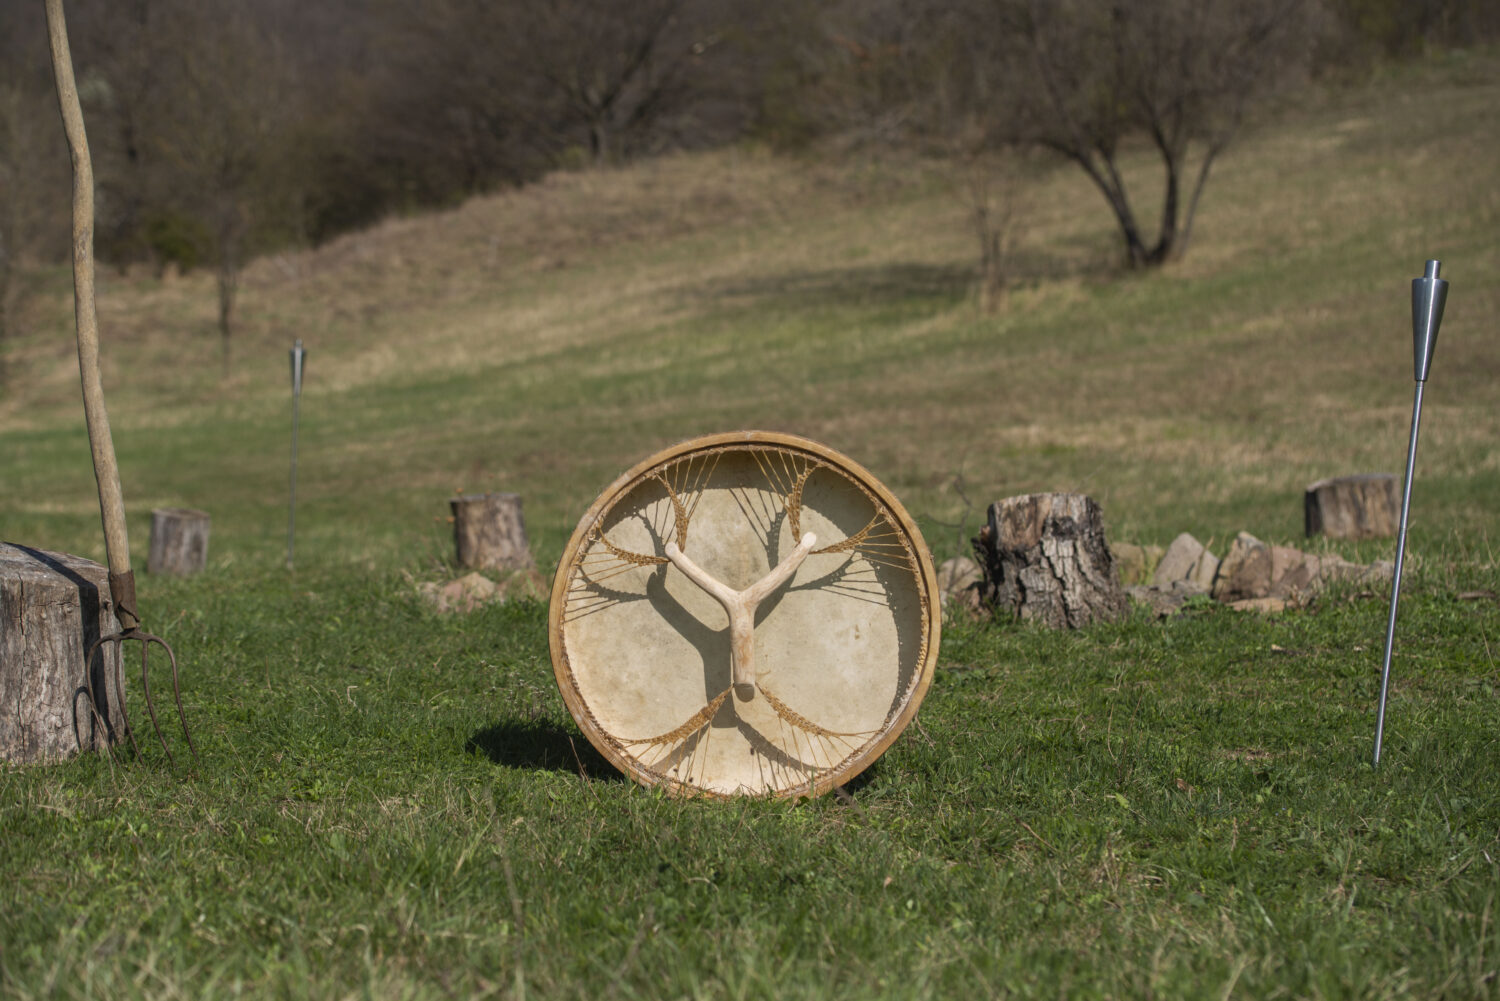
(392, 803)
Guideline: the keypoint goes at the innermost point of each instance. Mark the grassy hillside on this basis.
(395, 804)
(541, 340)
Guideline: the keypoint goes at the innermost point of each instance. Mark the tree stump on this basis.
(1367, 506)
(1045, 558)
(53, 607)
(179, 541)
(489, 532)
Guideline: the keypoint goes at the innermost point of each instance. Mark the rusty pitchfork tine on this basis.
(99, 718)
(146, 639)
(146, 691)
(96, 650)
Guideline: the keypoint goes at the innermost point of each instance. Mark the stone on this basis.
(1245, 571)
(1366, 506)
(1165, 602)
(1134, 564)
(528, 583)
(960, 583)
(1293, 572)
(1160, 602)
(1332, 568)
(1264, 606)
(475, 590)
(461, 595)
(1178, 562)
(1205, 571)
(1298, 579)
(1252, 575)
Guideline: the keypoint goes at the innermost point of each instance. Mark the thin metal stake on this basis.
(299, 360)
(1428, 296)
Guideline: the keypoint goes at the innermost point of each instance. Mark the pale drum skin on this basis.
(707, 636)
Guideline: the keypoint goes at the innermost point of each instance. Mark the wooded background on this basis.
(226, 128)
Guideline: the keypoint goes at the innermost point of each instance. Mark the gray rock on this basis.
(1265, 606)
(1252, 576)
(1333, 568)
(1179, 561)
(475, 590)
(1205, 570)
(960, 582)
(1293, 573)
(1245, 571)
(1134, 564)
(1165, 602)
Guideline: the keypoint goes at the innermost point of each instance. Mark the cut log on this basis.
(179, 541)
(1353, 507)
(489, 532)
(1045, 558)
(53, 607)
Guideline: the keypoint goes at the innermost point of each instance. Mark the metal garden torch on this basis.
(1428, 296)
(299, 362)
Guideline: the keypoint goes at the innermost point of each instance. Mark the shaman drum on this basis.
(744, 614)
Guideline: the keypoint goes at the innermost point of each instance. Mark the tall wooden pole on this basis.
(106, 470)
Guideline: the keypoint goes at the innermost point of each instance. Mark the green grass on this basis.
(395, 804)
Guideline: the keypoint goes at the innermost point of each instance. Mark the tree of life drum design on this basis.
(744, 614)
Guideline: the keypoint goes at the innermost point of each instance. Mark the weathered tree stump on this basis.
(1367, 506)
(53, 607)
(1045, 558)
(489, 532)
(179, 541)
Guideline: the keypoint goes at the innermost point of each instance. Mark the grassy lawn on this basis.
(395, 804)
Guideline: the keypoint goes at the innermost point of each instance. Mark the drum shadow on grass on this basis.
(546, 747)
(541, 746)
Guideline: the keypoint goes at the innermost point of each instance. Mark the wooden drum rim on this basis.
(925, 579)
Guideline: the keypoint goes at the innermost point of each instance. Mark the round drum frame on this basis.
(755, 587)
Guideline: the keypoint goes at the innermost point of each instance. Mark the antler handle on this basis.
(741, 605)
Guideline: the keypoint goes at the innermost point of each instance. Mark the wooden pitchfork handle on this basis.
(106, 470)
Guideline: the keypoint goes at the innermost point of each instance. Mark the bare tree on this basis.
(229, 105)
(1183, 73)
(122, 55)
(613, 68)
(441, 114)
(33, 174)
(616, 78)
(992, 182)
(1409, 27)
(929, 77)
(1084, 79)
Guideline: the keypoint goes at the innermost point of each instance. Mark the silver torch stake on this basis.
(299, 360)
(1428, 296)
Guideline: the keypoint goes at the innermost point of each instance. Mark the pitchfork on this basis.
(106, 471)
